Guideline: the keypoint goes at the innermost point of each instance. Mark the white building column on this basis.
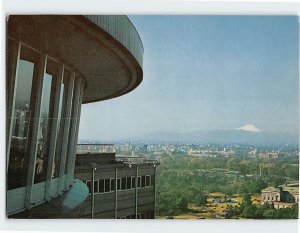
(74, 134)
(53, 132)
(74, 126)
(66, 128)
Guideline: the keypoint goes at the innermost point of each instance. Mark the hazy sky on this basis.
(206, 72)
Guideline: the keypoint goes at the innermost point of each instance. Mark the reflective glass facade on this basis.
(41, 102)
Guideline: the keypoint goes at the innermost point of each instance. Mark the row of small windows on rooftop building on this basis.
(123, 183)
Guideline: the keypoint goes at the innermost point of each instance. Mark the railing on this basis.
(95, 148)
(120, 27)
(135, 160)
(131, 159)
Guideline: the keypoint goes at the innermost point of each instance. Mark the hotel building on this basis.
(55, 63)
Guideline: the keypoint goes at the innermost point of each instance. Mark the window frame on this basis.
(149, 181)
(96, 186)
(119, 184)
(123, 182)
(133, 180)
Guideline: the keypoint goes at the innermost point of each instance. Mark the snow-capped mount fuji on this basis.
(249, 128)
(247, 134)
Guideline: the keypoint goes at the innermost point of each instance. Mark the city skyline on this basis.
(208, 72)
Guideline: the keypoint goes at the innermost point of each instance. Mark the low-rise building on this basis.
(119, 187)
(271, 194)
(268, 155)
(282, 196)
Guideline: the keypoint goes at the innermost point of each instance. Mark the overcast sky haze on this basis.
(204, 73)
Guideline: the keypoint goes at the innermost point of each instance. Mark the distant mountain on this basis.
(238, 136)
(249, 128)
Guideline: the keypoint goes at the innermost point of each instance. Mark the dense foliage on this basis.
(188, 180)
(266, 211)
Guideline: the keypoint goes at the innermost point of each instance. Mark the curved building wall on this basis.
(48, 78)
(90, 47)
(44, 101)
(121, 28)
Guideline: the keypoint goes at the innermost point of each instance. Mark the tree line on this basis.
(187, 180)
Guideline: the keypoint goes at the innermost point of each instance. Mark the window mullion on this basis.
(66, 127)
(136, 191)
(72, 137)
(54, 131)
(154, 184)
(13, 59)
(116, 194)
(74, 146)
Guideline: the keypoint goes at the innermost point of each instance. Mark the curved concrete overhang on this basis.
(105, 50)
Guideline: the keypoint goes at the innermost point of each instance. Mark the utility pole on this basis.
(94, 168)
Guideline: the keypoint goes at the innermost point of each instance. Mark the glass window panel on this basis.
(96, 187)
(107, 185)
(45, 122)
(62, 120)
(123, 183)
(18, 167)
(11, 59)
(147, 181)
(112, 184)
(44, 130)
(101, 186)
(139, 181)
(119, 184)
(143, 181)
(128, 183)
(133, 182)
